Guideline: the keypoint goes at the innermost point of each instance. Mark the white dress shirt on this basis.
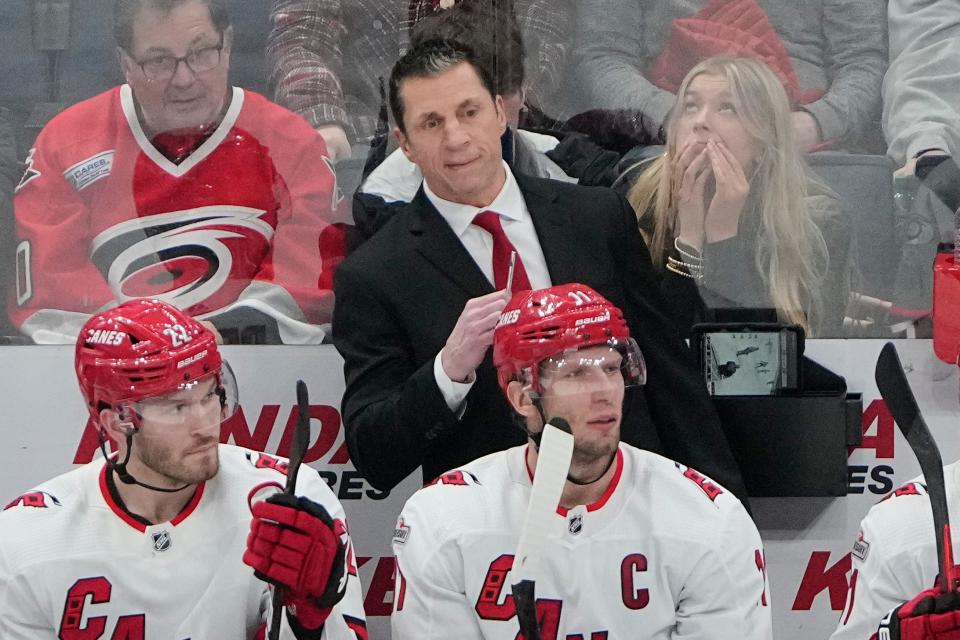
(518, 225)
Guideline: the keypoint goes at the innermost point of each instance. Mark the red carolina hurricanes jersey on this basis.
(243, 221)
(665, 554)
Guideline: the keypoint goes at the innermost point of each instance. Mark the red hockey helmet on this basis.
(537, 325)
(146, 348)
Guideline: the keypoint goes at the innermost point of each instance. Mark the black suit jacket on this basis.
(400, 294)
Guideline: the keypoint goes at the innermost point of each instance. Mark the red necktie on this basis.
(489, 221)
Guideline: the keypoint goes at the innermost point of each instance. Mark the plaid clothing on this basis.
(327, 57)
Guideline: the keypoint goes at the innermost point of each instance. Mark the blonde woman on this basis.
(730, 211)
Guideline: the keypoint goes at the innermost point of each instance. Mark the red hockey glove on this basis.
(931, 615)
(294, 543)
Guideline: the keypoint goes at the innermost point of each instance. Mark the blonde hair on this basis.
(791, 255)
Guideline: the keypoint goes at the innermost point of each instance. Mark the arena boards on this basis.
(808, 541)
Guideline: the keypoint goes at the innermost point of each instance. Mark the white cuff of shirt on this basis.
(453, 392)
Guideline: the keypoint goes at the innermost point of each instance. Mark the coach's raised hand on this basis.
(472, 335)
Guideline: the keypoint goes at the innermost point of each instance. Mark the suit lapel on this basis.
(435, 241)
(551, 219)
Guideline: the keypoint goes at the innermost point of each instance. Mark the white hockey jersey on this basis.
(894, 555)
(665, 553)
(74, 565)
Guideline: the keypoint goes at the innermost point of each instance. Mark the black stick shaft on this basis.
(896, 393)
(301, 438)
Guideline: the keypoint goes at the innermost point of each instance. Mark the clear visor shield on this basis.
(590, 369)
(200, 405)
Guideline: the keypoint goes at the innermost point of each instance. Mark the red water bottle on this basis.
(946, 303)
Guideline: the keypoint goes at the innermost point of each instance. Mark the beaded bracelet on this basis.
(687, 269)
(681, 272)
(687, 251)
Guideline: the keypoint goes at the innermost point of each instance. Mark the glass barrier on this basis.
(230, 167)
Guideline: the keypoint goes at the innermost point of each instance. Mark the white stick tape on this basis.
(553, 465)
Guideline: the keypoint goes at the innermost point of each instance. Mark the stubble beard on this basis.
(175, 469)
(591, 459)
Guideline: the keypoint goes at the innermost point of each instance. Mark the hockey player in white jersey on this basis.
(641, 547)
(153, 543)
(895, 570)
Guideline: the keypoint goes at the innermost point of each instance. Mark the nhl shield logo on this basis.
(575, 524)
(161, 541)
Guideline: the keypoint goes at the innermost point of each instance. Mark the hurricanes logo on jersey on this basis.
(197, 259)
(263, 461)
(35, 499)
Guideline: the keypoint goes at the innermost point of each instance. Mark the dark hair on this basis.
(125, 12)
(490, 29)
(428, 59)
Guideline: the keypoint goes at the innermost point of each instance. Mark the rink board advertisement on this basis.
(807, 540)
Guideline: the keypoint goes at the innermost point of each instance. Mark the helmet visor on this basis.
(196, 404)
(590, 369)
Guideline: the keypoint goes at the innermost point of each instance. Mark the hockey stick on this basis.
(553, 465)
(895, 390)
(301, 438)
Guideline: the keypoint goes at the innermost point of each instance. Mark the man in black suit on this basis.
(416, 305)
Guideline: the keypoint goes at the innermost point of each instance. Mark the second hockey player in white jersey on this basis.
(153, 543)
(895, 568)
(641, 547)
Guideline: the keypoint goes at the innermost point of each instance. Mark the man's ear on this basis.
(501, 113)
(115, 424)
(521, 399)
(402, 141)
(127, 65)
(227, 47)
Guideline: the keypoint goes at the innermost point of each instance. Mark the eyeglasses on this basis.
(162, 68)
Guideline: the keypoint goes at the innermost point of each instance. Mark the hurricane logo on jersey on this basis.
(34, 499)
(197, 259)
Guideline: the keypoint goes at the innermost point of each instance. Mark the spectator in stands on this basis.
(732, 215)
(547, 27)
(496, 39)
(177, 186)
(921, 91)
(328, 58)
(830, 55)
(417, 303)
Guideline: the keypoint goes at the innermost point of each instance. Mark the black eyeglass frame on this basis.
(176, 60)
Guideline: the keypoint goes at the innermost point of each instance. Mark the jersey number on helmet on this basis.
(178, 335)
